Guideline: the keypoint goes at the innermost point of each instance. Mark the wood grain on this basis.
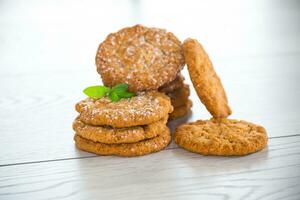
(171, 174)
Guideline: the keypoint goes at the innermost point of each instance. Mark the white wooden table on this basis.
(47, 51)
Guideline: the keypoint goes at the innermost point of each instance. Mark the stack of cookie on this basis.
(129, 127)
(145, 59)
(179, 93)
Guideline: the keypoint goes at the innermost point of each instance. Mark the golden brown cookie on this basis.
(223, 137)
(109, 135)
(173, 85)
(181, 110)
(144, 58)
(127, 150)
(205, 80)
(145, 108)
(180, 96)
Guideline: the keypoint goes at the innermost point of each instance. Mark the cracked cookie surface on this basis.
(223, 137)
(143, 109)
(144, 58)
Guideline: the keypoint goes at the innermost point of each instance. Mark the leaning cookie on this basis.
(205, 80)
(144, 58)
(181, 111)
(109, 135)
(143, 109)
(126, 150)
(222, 137)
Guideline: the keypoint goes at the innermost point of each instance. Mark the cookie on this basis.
(205, 80)
(144, 58)
(143, 109)
(109, 135)
(222, 137)
(127, 150)
(173, 85)
(181, 110)
(180, 96)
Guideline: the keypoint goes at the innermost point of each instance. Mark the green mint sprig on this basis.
(115, 93)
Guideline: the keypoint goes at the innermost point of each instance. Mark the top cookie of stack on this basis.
(144, 58)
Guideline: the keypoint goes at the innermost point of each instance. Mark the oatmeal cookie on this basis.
(180, 96)
(205, 80)
(127, 150)
(109, 135)
(223, 137)
(144, 58)
(143, 109)
(181, 110)
(173, 85)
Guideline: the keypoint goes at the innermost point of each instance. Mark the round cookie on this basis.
(180, 96)
(181, 110)
(174, 85)
(145, 108)
(222, 137)
(109, 135)
(205, 80)
(144, 58)
(127, 150)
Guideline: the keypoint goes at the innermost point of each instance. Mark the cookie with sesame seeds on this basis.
(144, 58)
(127, 149)
(179, 97)
(109, 135)
(222, 137)
(142, 109)
(173, 85)
(205, 80)
(181, 111)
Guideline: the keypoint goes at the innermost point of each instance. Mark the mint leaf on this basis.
(115, 93)
(96, 91)
(120, 88)
(126, 94)
(114, 96)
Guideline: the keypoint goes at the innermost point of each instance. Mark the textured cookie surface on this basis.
(110, 135)
(224, 137)
(144, 58)
(205, 80)
(180, 96)
(127, 150)
(181, 111)
(145, 108)
(173, 85)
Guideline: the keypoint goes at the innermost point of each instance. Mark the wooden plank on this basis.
(171, 174)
